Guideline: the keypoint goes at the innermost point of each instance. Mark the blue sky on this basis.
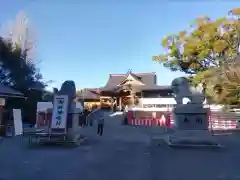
(85, 40)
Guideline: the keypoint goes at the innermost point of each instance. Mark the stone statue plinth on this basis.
(191, 120)
(74, 131)
(191, 117)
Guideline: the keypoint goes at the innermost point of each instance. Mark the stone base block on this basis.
(192, 138)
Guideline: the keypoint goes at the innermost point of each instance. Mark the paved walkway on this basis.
(122, 153)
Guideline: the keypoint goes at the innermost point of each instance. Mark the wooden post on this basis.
(120, 103)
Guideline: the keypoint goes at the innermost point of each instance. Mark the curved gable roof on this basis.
(133, 76)
(116, 79)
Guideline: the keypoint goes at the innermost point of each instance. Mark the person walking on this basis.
(86, 112)
(100, 123)
(81, 120)
(91, 121)
(92, 116)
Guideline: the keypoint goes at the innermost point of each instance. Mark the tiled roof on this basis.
(149, 79)
(7, 91)
(116, 79)
(146, 87)
(90, 93)
(155, 87)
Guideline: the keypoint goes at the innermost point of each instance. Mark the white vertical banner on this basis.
(60, 107)
(17, 122)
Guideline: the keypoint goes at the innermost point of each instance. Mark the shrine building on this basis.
(132, 89)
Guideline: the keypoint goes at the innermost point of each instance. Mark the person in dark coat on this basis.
(86, 112)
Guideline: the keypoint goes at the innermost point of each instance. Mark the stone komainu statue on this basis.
(181, 88)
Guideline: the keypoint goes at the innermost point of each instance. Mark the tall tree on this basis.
(20, 45)
(21, 35)
(15, 71)
(210, 44)
(18, 69)
(204, 50)
(228, 91)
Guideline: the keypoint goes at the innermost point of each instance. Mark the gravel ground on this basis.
(123, 153)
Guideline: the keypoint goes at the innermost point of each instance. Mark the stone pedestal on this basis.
(74, 132)
(191, 127)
